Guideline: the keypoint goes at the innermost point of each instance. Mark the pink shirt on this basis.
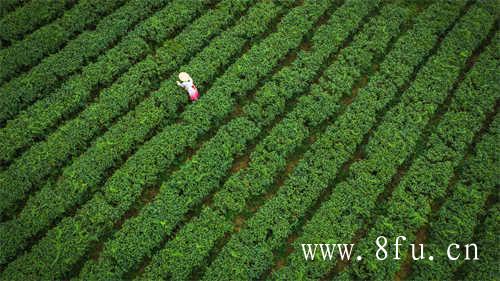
(191, 89)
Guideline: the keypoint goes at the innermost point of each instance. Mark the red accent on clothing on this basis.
(194, 96)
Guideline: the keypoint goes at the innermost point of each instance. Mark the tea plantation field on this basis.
(320, 121)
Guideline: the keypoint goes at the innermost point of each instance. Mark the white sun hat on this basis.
(184, 77)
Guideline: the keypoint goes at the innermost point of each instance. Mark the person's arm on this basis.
(179, 84)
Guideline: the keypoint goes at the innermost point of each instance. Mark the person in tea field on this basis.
(188, 85)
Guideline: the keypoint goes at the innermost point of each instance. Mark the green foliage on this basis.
(457, 218)
(487, 267)
(276, 219)
(269, 156)
(30, 16)
(49, 38)
(80, 54)
(7, 6)
(350, 199)
(183, 194)
(429, 174)
(128, 191)
(70, 138)
(109, 128)
(88, 170)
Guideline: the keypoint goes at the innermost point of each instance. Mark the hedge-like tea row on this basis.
(429, 174)
(270, 155)
(171, 203)
(92, 225)
(471, 201)
(250, 251)
(229, 140)
(368, 177)
(204, 170)
(487, 242)
(46, 157)
(7, 6)
(91, 167)
(456, 220)
(49, 38)
(29, 17)
(172, 207)
(75, 93)
(47, 75)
